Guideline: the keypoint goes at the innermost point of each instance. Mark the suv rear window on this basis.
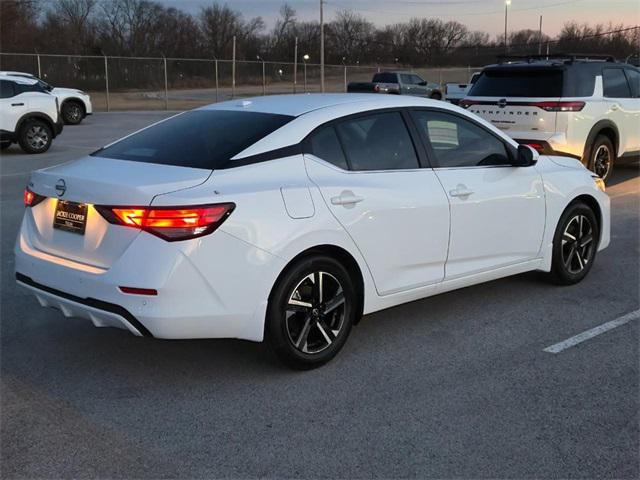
(511, 82)
(385, 78)
(197, 139)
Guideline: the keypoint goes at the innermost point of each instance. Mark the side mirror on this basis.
(525, 156)
(423, 84)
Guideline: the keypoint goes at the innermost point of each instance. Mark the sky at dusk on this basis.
(485, 15)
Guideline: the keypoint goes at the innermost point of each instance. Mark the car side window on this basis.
(416, 80)
(378, 141)
(406, 79)
(456, 142)
(615, 83)
(634, 82)
(6, 89)
(324, 144)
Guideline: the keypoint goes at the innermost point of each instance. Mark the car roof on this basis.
(19, 77)
(313, 110)
(300, 104)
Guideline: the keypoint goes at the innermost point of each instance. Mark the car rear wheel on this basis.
(35, 136)
(602, 156)
(311, 312)
(575, 244)
(72, 113)
(436, 96)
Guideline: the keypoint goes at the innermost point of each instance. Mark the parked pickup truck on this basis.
(454, 92)
(398, 83)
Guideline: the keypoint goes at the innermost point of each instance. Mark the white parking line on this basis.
(581, 337)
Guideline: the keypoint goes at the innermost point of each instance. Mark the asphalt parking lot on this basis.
(458, 385)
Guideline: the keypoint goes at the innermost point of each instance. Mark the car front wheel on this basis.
(311, 312)
(575, 244)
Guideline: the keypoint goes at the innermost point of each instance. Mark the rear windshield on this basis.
(518, 83)
(198, 139)
(385, 77)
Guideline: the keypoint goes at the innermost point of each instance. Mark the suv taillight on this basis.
(170, 223)
(559, 106)
(31, 199)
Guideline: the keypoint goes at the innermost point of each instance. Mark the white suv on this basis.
(75, 104)
(584, 108)
(29, 115)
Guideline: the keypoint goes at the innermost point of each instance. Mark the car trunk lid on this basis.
(97, 181)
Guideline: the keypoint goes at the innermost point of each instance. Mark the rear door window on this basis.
(379, 141)
(512, 82)
(615, 83)
(198, 139)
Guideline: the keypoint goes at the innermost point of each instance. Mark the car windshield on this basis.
(197, 139)
(45, 85)
(512, 82)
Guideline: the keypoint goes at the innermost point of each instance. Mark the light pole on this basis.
(507, 3)
(322, 46)
(305, 59)
(264, 78)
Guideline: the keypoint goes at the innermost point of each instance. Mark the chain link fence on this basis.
(145, 83)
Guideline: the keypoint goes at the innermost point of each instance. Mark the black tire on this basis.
(575, 244)
(312, 331)
(436, 96)
(4, 145)
(72, 112)
(35, 136)
(601, 157)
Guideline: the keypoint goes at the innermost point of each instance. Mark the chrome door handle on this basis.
(346, 198)
(460, 191)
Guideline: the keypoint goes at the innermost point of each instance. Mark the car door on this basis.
(622, 109)
(421, 87)
(12, 107)
(369, 174)
(406, 85)
(497, 210)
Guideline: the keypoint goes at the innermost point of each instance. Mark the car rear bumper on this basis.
(198, 296)
(101, 314)
(545, 147)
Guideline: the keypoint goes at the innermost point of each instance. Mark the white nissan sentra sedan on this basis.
(287, 218)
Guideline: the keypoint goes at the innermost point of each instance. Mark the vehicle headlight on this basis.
(599, 182)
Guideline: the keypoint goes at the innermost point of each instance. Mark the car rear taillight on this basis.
(170, 223)
(31, 199)
(536, 146)
(559, 106)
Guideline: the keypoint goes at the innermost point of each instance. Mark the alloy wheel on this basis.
(37, 137)
(74, 113)
(315, 312)
(577, 244)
